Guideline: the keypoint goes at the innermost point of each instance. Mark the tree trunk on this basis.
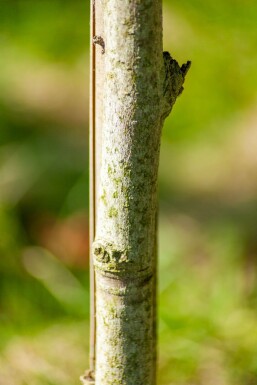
(140, 85)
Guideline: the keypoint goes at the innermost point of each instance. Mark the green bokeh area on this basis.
(208, 188)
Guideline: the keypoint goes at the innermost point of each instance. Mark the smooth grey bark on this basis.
(140, 86)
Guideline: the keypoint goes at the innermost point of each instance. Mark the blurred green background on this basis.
(208, 186)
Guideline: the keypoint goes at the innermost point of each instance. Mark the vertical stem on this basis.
(124, 249)
(92, 187)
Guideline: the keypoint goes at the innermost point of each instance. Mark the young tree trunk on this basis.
(140, 86)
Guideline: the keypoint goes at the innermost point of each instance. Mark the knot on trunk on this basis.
(174, 77)
(112, 259)
(109, 257)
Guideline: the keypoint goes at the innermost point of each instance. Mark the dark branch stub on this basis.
(174, 78)
(185, 67)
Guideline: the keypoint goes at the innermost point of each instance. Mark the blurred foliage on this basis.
(208, 186)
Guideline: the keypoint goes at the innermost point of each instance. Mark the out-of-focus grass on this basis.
(220, 39)
(208, 186)
(208, 318)
(55, 355)
(56, 31)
